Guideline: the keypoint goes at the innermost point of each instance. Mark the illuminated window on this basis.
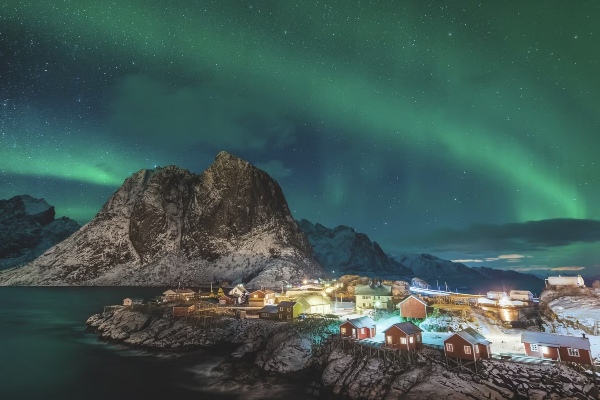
(533, 347)
(411, 339)
(449, 347)
(467, 349)
(403, 340)
(343, 330)
(573, 352)
(476, 349)
(389, 339)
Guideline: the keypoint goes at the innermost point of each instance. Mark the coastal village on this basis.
(399, 318)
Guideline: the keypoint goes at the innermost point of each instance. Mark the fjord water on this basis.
(47, 353)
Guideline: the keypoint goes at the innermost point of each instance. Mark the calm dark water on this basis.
(46, 353)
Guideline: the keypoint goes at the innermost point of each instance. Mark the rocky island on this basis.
(312, 351)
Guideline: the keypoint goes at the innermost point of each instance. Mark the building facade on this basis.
(403, 336)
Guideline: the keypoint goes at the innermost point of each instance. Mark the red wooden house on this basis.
(413, 307)
(403, 336)
(467, 344)
(358, 328)
(557, 347)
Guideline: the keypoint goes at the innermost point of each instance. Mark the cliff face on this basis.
(348, 252)
(168, 225)
(28, 228)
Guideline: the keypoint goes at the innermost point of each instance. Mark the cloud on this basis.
(467, 261)
(531, 235)
(275, 168)
(215, 114)
(545, 268)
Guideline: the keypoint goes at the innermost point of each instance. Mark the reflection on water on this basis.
(505, 314)
(43, 335)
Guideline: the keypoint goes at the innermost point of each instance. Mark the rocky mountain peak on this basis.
(168, 225)
(28, 228)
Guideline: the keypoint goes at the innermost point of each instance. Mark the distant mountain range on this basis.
(348, 252)
(231, 222)
(28, 228)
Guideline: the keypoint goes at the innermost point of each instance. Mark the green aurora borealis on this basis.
(410, 121)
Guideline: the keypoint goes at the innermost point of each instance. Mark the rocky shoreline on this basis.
(308, 352)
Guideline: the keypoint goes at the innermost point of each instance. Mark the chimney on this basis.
(583, 334)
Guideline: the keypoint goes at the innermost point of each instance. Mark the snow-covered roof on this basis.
(414, 297)
(269, 309)
(315, 300)
(366, 290)
(472, 336)
(523, 292)
(483, 300)
(407, 327)
(553, 340)
(362, 322)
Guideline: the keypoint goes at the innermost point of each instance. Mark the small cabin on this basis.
(128, 302)
(268, 312)
(521, 295)
(557, 347)
(496, 295)
(181, 310)
(467, 344)
(403, 336)
(315, 304)
(288, 310)
(260, 298)
(413, 307)
(358, 328)
(573, 281)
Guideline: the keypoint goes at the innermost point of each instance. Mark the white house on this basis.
(522, 295)
(238, 290)
(566, 281)
(315, 304)
(496, 295)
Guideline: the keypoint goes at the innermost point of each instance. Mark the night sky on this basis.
(465, 129)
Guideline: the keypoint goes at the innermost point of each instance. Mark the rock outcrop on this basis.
(168, 225)
(28, 228)
(310, 351)
(346, 251)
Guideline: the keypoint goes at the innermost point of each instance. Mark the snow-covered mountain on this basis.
(348, 252)
(28, 228)
(168, 225)
(439, 272)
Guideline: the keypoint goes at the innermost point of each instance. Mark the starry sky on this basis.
(465, 129)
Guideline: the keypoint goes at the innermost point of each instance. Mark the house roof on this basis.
(315, 300)
(414, 297)
(471, 336)
(407, 327)
(287, 303)
(362, 322)
(271, 309)
(366, 290)
(184, 291)
(553, 340)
